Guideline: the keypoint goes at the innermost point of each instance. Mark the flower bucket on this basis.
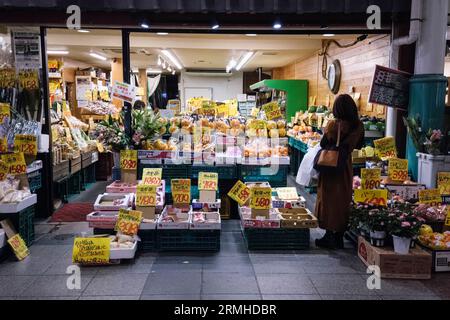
(116, 156)
(401, 245)
(428, 167)
(377, 238)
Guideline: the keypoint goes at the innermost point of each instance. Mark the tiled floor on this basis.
(232, 274)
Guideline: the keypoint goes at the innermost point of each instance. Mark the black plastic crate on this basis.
(35, 181)
(23, 222)
(188, 240)
(148, 240)
(277, 239)
(98, 231)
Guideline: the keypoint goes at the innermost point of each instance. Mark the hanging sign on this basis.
(260, 198)
(431, 197)
(444, 183)
(272, 111)
(128, 159)
(398, 169)
(146, 195)
(128, 221)
(181, 191)
(83, 89)
(152, 176)
(27, 50)
(240, 193)
(374, 197)
(25, 143)
(386, 148)
(91, 250)
(15, 162)
(208, 181)
(124, 91)
(5, 112)
(19, 247)
(370, 179)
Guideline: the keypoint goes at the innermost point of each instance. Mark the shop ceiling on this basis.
(194, 51)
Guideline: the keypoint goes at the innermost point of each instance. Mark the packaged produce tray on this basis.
(19, 206)
(174, 218)
(113, 201)
(247, 221)
(121, 187)
(188, 240)
(205, 221)
(288, 204)
(298, 218)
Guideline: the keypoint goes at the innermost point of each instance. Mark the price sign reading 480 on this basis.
(146, 195)
(398, 169)
(181, 191)
(25, 143)
(370, 179)
(208, 181)
(16, 163)
(260, 198)
(128, 159)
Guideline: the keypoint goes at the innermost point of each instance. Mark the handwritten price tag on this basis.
(128, 221)
(4, 170)
(152, 176)
(25, 143)
(260, 198)
(91, 250)
(208, 181)
(3, 145)
(287, 193)
(29, 79)
(430, 196)
(8, 78)
(146, 195)
(239, 193)
(444, 183)
(370, 179)
(386, 148)
(398, 169)
(15, 162)
(181, 191)
(272, 111)
(374, 197)
(5, 112)
(19, 247)
(128, 159)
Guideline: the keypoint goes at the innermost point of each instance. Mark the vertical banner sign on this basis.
(146, 195)
(19, 247)
(240, 193)
(386, 148)
(128, 159)
(260, 198)
(152, 176)
(5, 112)
(91, 250)
(27, 50)
(398, 169)
(208, 181)
(444, 183)
(128, 222)
(15, 162)
(25, 143)
(181, 191)
(370, 179)
(431, 197)
(374, 197)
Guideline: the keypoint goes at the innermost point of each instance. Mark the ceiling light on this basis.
(162, 33)
(154, 71)
(172, 58)
(215, 26)
(135, 70)
(163, 64)
(277, 25)
(173, 72)
(231, 65)
(57, 52)
(159, 61)
(169, 69)
(145, 25)
(329, 35)
(83, 30)
(251, 34)
(244, 60)
(95, 55)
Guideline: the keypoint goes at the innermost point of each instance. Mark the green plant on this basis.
(146, 125)
(405, 222)
(431, 142)
(111, 134)
(378, 219)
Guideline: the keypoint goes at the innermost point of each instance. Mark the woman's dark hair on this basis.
(344, 108)
(139, 105)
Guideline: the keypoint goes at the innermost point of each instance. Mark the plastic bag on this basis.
(306, 173)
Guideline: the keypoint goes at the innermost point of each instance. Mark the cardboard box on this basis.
(298, 218)
(272, 222)
(415, 265)
(147, 212)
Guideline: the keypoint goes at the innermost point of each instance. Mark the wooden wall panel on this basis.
(358, 65)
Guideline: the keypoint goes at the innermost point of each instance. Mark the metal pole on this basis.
(126, 78)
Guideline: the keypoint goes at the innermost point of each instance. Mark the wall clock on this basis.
(334, 74)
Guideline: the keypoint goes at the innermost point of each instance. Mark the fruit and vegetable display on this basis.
(10, 191)
(434, 240)
(373, 123)
(121, 241)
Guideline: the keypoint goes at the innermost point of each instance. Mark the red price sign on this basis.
(239, 193)
(25, 143)
(128, 221)
(181, 190)
(128, 159)
(260, 198)
(16, 163)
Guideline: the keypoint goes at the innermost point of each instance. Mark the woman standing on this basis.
(334, 194)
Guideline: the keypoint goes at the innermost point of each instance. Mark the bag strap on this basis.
(339, 135)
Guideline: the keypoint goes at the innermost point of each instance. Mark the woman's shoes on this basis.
(331, 240)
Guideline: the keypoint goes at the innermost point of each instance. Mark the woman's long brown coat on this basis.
(334, 195)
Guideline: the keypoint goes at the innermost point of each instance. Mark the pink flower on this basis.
(406, 224)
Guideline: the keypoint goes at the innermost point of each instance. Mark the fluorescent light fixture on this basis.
(145, 25)
(173, 72)
(83, 30)
(172, 58)
(231, 65)
(162, 33)
(57, 52)
(329, 35)
(97, 56)
(154, 71)
(251, 35)
(277, 25)
(135, 70)
(215, 26)
(244, 60)
(159, 61)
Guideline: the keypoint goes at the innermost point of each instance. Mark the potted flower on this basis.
(377, 222)
(404, 228)
(358, 219)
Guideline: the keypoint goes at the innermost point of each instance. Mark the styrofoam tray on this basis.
(17, 207)
(183, 223)
(119, 253)
(215, 224)
(128, 201)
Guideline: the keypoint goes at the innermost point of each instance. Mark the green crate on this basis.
(35, 181)
(23, 222)
(224, 172)
(277, 239)
(249, 173)
(148, 240)
(188, 240)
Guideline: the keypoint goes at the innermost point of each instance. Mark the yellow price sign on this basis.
(258, 125)
(287, 193)
(25, 143)
(146, 195)
(447, 220)
(260, 198)
(152, 176)
(128, 159)
(128, 221)
(373, 197)
(29, 79)
(370, 179)
(4, 170)
(240, 193)
(386, 148)
(181, 191)
(8, 78)
(91, 250)
(431, 197)
(15, 162)
(254, 112)
(272, 111)
(398, 169)
(5, 112)
(444, 183)
(223, 109)
(208, 181)
(3, 145)
(19, 247)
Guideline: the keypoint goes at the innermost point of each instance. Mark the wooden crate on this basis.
(75, 165)
(86, 159)
(61, 170)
